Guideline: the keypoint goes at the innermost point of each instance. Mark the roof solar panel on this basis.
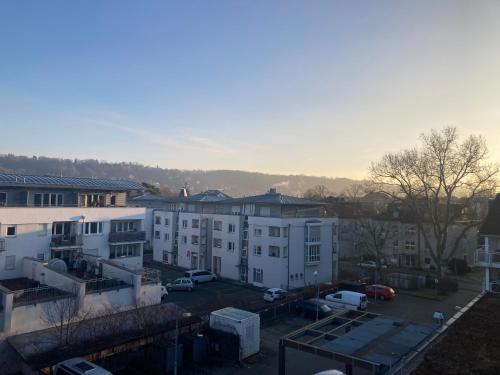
(101, 183)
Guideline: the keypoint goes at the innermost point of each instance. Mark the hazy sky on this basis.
(312, 87)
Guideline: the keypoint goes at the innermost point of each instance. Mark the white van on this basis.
(346, 300)
(200, 276)
(79, 366)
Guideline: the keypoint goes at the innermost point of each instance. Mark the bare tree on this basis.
(439, 181)
(65, 316)
(373, 236)
(319, 193)
(355, 191)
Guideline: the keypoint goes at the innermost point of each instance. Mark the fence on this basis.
(34, 295)
(102, 284)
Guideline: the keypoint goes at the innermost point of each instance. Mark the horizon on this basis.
(223, 86)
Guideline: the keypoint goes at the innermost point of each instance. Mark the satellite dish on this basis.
(58, 265)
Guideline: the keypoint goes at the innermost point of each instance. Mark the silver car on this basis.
(182, 283)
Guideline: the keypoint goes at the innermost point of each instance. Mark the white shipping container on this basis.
(242, 323)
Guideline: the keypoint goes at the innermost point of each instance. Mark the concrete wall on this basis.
(229, 258)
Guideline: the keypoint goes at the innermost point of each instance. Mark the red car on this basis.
(379, 291)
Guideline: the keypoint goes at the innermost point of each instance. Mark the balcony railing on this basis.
(102, 284)
(66, 240)
(487, 257)
(127, 236)
(38, 294)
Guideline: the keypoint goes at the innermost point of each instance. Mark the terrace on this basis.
(28, 292)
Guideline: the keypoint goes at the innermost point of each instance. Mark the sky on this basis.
(290, 87)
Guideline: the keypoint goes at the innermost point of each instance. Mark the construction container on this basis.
(242, 323)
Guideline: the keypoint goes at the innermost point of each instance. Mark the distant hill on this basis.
(234, 183)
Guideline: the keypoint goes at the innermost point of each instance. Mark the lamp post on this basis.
(317, 295)
(184, 315)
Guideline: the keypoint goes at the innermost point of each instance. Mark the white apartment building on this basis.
(269, 240)
(488, 256)
(89, 254)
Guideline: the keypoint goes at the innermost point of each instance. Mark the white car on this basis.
(182, 283)
(273, 294)
(163, 292)
(200, 276)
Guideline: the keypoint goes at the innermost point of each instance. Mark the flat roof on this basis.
(17, 180)
(234, 313)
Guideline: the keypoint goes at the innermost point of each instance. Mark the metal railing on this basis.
(127, 236)
(65, 240)
(102, 284)
(37, 294)
(488, 257)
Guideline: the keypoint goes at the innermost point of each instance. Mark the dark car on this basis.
(379, 291)
(309, 308)
(353, 286)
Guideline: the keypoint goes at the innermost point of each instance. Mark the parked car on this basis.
(382, 292)
(273, 294)
(346, 299)
(311, 308)
(353, 286)
(182, 283)
(163, 292)
(370, 264)
(79, 366)
(200, 276)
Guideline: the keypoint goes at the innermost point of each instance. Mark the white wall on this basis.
(229, 259)
(33, 237)
(160, 244)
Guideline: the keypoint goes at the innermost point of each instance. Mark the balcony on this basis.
(119, 237)
(2, 244)
(60, 241)
(483, 258)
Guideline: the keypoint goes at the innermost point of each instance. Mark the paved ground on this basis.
(212, 295)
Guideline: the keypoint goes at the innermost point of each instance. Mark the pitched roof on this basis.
(275, 199)
(208, 196)
(491, 224)
(16, 180)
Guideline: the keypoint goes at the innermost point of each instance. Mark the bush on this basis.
(458, 266)
(447, 285)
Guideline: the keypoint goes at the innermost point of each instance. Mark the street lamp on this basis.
(317, 296)
(184, 315)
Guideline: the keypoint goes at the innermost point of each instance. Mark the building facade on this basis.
(269, 240)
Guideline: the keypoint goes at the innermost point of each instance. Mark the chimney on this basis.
(183, 193)
(272, 191)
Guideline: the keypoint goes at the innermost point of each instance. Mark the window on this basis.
(184, 239)
(312, 253)
(165, 256)
(410, 245)
(157, 220)
(112, 200)
(94, 227)
(274, 231)
(314, 233)
(285, 251)
(217, 242)
(257, 250)
(231, 228)
(258, 275)
(218, 225)
(11, 230)
(157, 234)
(257, 232)
(410, 231)
(167, 236)
(123, 251)
(230, 246)
(184, 223)
(265, 211)
(57, 228)
(285, 232)
(395, 245)
(274, 251)
(195, 223)
(3, 199)
(167, 222)
(48, 199)
(10, 262)
(195, 240)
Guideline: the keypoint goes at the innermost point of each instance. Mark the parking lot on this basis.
(210, 296)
